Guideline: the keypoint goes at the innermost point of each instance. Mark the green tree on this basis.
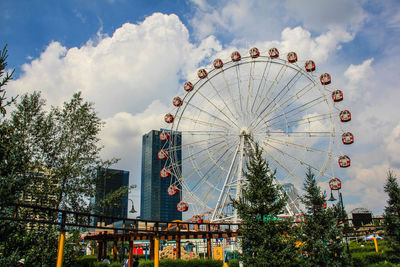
(392, 215)
(320, 233)
(266, 241)
(62, 145)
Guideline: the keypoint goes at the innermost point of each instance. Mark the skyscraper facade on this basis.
(109, 180)
(155, 202)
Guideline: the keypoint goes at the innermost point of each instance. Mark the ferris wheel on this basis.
(280, 103)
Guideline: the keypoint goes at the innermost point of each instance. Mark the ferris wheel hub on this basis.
(245, 131)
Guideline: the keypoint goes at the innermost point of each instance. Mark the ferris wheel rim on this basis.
(200, 83)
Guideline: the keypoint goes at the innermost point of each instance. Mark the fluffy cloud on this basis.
(122, 72)
(131, 77)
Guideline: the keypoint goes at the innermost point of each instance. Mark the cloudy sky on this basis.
(131, 58)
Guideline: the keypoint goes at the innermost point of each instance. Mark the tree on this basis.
(320, 233)
(62, 145)
(392, 215)
(266, 240)
(8, 76)
(53, 153)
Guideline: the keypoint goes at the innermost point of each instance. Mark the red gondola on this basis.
(169, 118)
(345, 115)
(347, 138)
(337, 96)
(165, 173)
(325, 79)
(273, 53)
(254, 53)
(197, 219)
(309, 66)
(182, 206)
(164, 136)
(172, 190)
(162, 154)
(344, 161)
(236, 56)
(300, 218)
(177, 101)
(335, 184)
(188, 86)
(292, 57)
(218, 63)
(202, 73)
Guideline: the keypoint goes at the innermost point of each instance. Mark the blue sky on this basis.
(116, 53)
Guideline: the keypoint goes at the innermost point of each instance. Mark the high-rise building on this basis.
(155, 203)
(109, 180)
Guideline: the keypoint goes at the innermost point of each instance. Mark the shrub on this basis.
(182, 263)
(101, 264)
(86, 261)
(233, 263)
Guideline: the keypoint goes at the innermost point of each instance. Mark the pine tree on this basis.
(266, 240)
(392, 215)
(320, 233)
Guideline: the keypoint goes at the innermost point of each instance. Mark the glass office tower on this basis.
(109, 180)
(155, 203)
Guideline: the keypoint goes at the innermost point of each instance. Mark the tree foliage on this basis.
(321, 237)
(265, 239)
(392, 214)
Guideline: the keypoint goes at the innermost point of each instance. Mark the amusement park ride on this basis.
(281, 104)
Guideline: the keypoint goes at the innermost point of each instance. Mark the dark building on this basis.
(155, 203)
(109, 180)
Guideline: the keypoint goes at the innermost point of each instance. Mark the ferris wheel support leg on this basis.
(219, 204)
(240, 177)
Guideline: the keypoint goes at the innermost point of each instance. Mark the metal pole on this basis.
(344, 225)
(156, 250)
(61, 241)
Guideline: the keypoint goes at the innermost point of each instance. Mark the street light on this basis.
(132, 208)
(336, 184)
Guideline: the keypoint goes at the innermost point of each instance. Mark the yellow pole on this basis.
(60, 254)
(156, 248)
(376, 244)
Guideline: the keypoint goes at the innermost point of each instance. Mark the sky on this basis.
(130, 58)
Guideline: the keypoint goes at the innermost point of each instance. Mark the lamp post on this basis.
(336, 184)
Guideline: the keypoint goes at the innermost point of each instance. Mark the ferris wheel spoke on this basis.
(215, 106)
(251, 79)
(205, 175)
(221, 172)
(231, 94)
(293, 99)
(279, 163)
(204, 132)
(211, 115)
(238, 85)
(179, 147)
(223, 99)
(299, 133)
(302, 162)
(307, 120)
(300, 109)
(287, 87)
(202, 122)
(295, 145)
(272, 87)
(263, 78)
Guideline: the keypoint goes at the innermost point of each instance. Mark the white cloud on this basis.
(321, 15)
(366, 188)
(359, 80)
